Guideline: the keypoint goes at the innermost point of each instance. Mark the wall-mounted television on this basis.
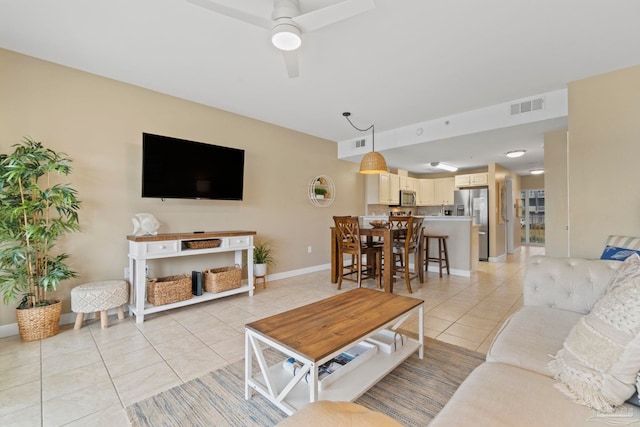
(175, 168)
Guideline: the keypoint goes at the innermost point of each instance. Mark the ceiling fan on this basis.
(287, 24)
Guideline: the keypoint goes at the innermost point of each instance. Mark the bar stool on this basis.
(442, 251)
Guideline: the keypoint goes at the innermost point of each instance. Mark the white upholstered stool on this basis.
(99, 296)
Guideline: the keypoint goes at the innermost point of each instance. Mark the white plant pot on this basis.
(259, 269)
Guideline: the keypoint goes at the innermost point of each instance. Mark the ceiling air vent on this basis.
(527, 106)
(361, 143)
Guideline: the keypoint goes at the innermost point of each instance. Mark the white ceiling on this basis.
(404, 62)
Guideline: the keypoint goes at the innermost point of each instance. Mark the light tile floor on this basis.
(87, 377)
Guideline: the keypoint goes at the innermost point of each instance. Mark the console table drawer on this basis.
(162, 248)
(241, 241)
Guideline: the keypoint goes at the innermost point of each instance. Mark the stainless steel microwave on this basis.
(407, 198)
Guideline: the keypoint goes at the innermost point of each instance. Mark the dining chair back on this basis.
(410, 245)
(350, 243)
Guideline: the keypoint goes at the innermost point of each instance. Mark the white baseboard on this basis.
(498, 259)
(452, 271)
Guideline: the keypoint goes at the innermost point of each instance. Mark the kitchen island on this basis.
(462, 243)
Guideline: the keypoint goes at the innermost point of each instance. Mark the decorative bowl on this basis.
(378, 223)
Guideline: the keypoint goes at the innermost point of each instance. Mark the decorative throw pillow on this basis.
(617, 254)
(600, 358)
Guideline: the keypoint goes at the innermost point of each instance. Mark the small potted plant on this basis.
(34, 213)
(262, 256)
(321, 193)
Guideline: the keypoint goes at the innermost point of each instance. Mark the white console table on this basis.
(143, 248)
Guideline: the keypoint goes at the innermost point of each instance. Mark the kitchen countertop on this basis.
(447, 218)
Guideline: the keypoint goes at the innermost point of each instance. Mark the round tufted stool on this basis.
(99, 296)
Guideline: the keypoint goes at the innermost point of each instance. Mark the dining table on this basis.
(387, 234)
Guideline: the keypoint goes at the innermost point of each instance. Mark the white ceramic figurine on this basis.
(145, 224)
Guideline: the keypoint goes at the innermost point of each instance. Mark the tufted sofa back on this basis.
(573, 284)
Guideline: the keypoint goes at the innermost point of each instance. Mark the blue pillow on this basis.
(617, 254)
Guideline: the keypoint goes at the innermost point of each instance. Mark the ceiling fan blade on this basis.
(234, 13)
(291, 62)
(332, 14)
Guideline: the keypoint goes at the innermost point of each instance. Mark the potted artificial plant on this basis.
(34, 213)
(262, 256)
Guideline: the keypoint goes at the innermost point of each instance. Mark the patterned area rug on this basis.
(412, 394)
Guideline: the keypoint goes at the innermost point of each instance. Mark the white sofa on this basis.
(514, 387)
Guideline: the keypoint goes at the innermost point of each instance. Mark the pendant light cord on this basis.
(372, 127)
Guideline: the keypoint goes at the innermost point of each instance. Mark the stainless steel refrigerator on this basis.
(475, 203)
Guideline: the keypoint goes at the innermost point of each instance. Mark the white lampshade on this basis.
(286, 36)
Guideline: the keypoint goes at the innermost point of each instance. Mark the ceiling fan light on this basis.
(515, 153)
(373, 163)
(444, 166)
(286, 36)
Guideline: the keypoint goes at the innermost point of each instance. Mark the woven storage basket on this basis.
(38, 323)
(222, 279)
(203, 244)
(165, 290)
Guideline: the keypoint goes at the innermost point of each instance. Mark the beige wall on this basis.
(99, 123)
(533, 182)
(604, 150)
(556, 194)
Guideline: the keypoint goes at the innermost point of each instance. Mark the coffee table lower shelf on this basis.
(347, 388)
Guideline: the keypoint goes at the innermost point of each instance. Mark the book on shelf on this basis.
(340, 364)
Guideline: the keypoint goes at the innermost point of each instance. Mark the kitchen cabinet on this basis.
(408, 183)
(443, 190)
(472, 180)
(383, 189)
(426, 192)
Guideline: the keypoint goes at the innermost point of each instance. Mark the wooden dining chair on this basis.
(401, 224)
(410, 245)
(350, 243)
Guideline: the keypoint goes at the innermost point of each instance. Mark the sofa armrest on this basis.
(573, 284)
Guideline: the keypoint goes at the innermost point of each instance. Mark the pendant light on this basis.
(373, 162)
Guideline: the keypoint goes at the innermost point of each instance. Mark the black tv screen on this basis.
(180, 169)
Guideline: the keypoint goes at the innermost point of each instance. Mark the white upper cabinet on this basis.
(426, 192)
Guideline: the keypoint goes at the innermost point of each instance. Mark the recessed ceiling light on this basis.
(536, 171)
(515, 153)
(444, 166)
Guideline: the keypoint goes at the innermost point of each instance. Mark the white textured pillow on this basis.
(600, 358)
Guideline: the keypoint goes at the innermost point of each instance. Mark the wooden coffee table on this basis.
(316, 333)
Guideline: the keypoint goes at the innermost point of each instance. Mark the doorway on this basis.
(532, 221)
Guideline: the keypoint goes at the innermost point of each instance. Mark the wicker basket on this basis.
(222, 279)
(165, 290)
(202, 244)
(38, 323)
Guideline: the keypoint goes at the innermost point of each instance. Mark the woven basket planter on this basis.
(165, 290)
(38, 323)
(222, 279)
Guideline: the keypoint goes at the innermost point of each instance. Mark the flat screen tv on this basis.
(180, 169)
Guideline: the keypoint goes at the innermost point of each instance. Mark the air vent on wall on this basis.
(361, 143)
(527, 106)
